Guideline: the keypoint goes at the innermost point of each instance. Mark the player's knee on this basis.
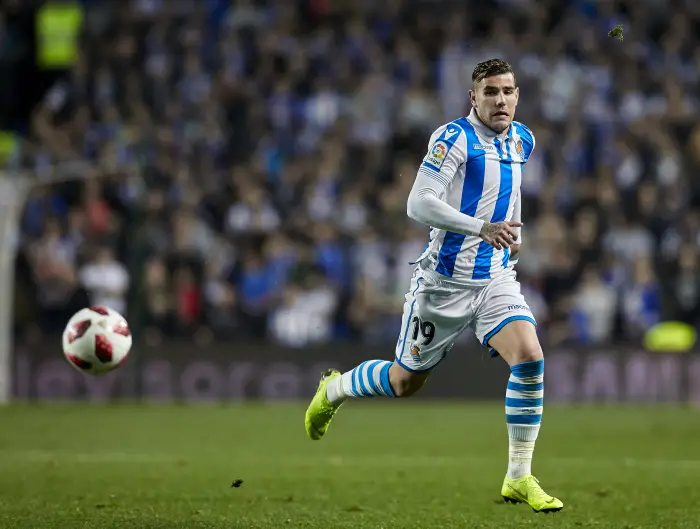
(527, 349)
(517, 343)
(405, 383)
(530, 353)
(406, 388)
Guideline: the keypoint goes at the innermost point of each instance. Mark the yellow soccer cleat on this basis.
(321, 411)
(527, 490)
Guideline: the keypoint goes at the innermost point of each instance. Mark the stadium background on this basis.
(233, 175)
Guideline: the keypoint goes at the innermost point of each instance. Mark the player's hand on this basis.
(500, 235)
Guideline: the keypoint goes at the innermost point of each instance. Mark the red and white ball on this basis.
(96, 340)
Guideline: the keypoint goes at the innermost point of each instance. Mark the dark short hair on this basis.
(490, 68)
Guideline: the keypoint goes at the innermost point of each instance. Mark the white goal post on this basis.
(15, 186)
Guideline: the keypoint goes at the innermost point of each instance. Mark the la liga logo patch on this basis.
(439, 150)
(436, 156)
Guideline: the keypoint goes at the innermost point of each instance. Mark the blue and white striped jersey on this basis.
(481, 172)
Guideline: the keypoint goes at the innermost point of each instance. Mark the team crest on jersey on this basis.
(437, 154)
(519, 147)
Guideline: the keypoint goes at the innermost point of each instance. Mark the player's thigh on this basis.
(504, 322)
(434, 316)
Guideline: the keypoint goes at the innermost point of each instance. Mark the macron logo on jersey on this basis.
(451, 132)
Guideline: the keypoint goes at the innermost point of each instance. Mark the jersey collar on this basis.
(483, 129)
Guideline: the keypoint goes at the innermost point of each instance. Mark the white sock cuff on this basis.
(523, 432)
(334, 391)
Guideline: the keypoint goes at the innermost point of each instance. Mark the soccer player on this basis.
(468, 191)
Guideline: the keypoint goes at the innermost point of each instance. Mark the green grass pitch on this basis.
(382, 465)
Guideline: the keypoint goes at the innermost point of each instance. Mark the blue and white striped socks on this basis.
(369, 379)
(524, 400)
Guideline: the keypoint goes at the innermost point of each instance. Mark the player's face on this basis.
(495, 99)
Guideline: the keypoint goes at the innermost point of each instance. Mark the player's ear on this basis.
(517, 94)
(472, 98)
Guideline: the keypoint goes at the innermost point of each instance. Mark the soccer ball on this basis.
(96, 340)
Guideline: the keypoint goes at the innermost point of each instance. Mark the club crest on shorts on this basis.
(415, 353)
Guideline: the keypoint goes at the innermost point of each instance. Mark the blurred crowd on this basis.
(248, 163)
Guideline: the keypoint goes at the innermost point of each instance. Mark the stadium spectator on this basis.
(250, 161)
(106, 280)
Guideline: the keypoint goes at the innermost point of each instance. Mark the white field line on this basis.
(84, 457)
(381, 461)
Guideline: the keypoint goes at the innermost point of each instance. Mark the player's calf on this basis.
(375, 378)
(404, 382)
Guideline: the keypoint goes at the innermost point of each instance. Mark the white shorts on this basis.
(436, 312)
